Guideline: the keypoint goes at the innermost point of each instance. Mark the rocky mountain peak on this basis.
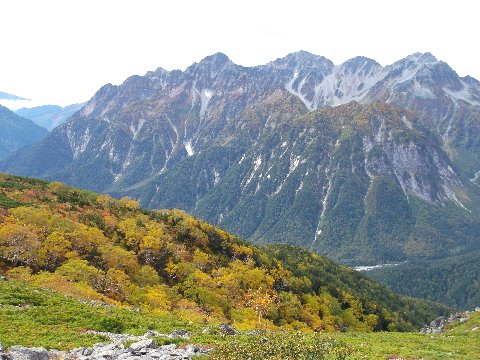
(423, 58)
(209, 68)
(360, 62)
(215, 62)
(159, 72)
(407, 67)
(304, 56)
(302, 60)
(446, 77)
(218, 57)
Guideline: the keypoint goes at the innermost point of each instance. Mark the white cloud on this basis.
(62, 51)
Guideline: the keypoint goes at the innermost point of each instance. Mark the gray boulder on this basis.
(22, 353)
(142, 349)
(152, 333)
(87, 352)
(226, 329)
(194, 349)
(183, 334)
(142, 345)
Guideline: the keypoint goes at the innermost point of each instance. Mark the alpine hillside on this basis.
(166, 263)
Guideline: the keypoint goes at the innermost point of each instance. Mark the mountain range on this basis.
(359, 162)
(49, 116)
(16, 131)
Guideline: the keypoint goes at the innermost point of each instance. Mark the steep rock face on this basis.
(165, 117)
(298, 150)
(139, 130)
(444, 103)
(318, 82)
(329, 176)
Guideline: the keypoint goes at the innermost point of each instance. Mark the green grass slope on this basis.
(32, 316)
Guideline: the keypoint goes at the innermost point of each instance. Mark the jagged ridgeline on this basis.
(91, 246)
(363, 163)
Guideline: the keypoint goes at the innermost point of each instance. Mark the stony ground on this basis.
(122, 347)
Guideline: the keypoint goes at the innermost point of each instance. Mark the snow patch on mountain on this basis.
(326, 190)
(475, 177)
(257, 163)
(299, 188)
(293, 164)
(205, 97)
(188, 148)
(216, 176)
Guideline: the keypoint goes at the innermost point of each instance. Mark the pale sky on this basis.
(63, 51)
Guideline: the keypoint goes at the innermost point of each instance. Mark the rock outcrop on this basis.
(440, 324)
(143, 347)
